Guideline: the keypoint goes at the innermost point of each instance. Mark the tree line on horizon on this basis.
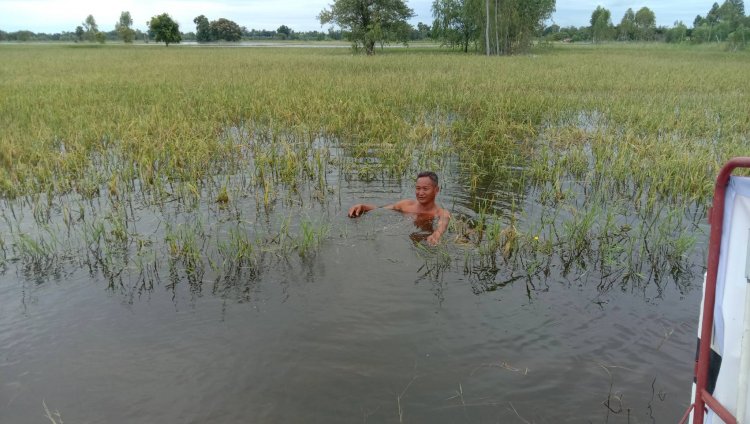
(221, 29)
(722, 23)
(491, 27)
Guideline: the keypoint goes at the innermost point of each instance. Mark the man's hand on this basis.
(443, 218)
(359, 209)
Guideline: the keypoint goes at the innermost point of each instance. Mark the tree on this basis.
(202, 29)
(455, 22)
(626, 29)
(284, 31)
(90, 27)
(738, 38)
(503, 26)
(80, 33)
(731, 11)
(601, 25)
(424, 31)
(677, 33)
(722, 23)
(516, 22)
(123, 27)
(165, 29)
(645, 22)
(367, 22)
(224, 29)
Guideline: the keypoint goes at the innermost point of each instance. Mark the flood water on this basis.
(370, 327)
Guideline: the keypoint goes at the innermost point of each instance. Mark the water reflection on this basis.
(575, 283)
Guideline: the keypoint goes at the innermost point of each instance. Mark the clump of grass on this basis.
(223, 196)
(311, 235)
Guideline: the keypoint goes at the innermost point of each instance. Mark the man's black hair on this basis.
(429, 174)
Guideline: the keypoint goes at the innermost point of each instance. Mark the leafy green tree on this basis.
(601, 25)
(502, 26)
(722, 23)
(80, 32)
(738, 38)
(701, 34)
(24, 35)
(123, 27)
(202, 29)
(645, 22)
(424, 31)
(284, 31)
(90, 28)
(712, 17)
(731, 11)
(514, 23)
(677, 34)
(455, 22)
(165, 29)
(367, 22)
(224, 29)
(626, 30)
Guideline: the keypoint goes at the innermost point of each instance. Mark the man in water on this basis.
(423, 208)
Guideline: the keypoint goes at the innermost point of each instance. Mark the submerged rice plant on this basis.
(121, 150)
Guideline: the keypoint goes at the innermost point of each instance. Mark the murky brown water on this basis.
(371, 327)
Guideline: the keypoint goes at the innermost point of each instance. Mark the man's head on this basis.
(429, 174)
(427, 187)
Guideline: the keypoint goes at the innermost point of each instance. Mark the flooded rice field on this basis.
(253, 298)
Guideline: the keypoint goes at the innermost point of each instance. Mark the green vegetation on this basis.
(221, 29)
(165, 29)
(661, 117)
(222, 150)
(726, 24)
(494, 27)
(123, 27)
(368, 22)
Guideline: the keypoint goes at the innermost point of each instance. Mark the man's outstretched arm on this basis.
(444, 218)
(359, 209)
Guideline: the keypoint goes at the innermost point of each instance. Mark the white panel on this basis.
(731, 288)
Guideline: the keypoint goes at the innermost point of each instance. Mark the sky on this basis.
(53, 16)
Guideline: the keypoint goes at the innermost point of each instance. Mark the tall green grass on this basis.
(656, 115)
(612, 140)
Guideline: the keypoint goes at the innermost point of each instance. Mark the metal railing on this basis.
(704, 399)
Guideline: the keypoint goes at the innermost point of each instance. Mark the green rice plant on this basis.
(223, 196)
(310, 236)
(37, 254)
(647, 127)
(27, 248)
(577, 236)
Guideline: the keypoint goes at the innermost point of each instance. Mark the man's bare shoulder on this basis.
(405, 205)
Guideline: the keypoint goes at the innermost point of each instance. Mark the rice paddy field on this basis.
(174, 245)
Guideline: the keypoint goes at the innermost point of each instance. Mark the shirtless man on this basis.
(423, 208)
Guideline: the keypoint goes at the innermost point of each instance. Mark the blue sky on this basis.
(56, 16)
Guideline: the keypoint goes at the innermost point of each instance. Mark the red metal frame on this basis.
(716, 219)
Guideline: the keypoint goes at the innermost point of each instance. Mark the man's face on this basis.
(426, 190)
